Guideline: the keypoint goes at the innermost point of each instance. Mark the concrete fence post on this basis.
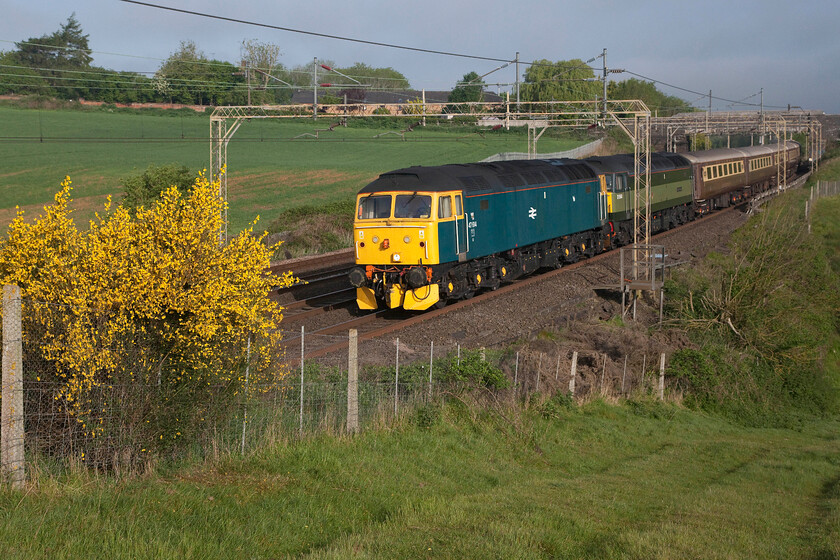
(12, 465)
(353, 382)
(574, 373)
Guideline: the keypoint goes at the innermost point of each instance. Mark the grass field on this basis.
(640, 480)
(269, 170)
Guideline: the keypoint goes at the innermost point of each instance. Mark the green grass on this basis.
(640, 480)
(268, 170)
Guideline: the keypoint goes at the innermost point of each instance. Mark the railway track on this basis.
(388, 321)
(309, 268)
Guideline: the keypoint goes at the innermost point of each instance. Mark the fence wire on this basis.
(127, 421)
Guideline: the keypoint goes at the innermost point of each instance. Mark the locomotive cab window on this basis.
(459, 209)
(413, 206)
(620, 183)
(445, 207)
(374, 207)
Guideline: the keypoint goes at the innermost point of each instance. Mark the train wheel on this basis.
(450, 287)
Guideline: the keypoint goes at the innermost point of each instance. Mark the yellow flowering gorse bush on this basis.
(145, 298)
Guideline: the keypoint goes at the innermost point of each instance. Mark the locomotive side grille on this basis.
(534, 177)
(555, 175)
(474, 183)
(511, 180)
(578, 171)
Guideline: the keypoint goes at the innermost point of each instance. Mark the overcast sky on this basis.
(734, 48)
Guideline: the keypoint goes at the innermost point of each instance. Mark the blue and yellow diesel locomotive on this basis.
(425, 235)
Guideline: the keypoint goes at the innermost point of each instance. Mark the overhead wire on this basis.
(380, 44)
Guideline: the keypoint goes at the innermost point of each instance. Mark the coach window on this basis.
(445, 207)
(459, 210)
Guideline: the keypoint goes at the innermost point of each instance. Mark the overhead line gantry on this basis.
(632, 116)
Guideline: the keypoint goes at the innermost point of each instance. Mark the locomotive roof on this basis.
(623, 163)
(482, 177)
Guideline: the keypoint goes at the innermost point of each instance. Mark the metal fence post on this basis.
(662, 377)
(12, 455)
(431, 365)
(353, 383)
(603, 371)
(624, 375)
(397, 382)
(301, 378)
(245, 408)
(574, 373)
(516, 372)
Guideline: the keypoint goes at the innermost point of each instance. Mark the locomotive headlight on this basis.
(406, 239)
(396, 257)
(375, 239)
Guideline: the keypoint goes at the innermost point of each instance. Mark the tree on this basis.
(259, 60)
(376, 78)
(470, 88)
(566, 80)
(663, 105)
(46, 57)
(65, 48)
(147, 306)
(190, 77)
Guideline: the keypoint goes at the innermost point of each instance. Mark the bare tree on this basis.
(258, 60)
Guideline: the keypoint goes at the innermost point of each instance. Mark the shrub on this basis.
(473, 371)
(145, 189)
(148, 304)
(557, 405)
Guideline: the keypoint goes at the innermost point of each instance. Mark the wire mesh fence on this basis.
(118, 422)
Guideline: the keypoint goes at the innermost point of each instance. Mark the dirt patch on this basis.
(83, 209)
